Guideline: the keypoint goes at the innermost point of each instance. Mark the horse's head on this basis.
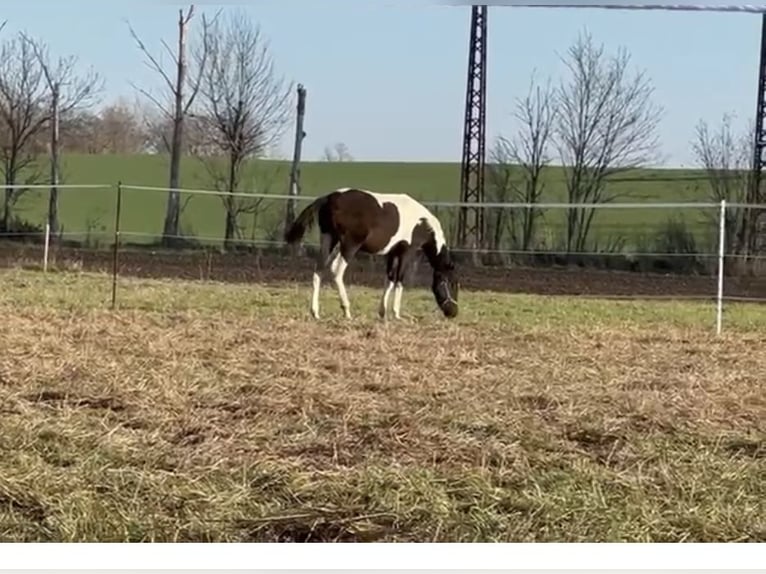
(445, 283)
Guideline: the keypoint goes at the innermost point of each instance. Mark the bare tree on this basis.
(69, 92)
(159, 133)
(183, 92)
(23, 114)
(120, 130)
(606, 123)
(517, 166)
(727, 159)
(79, 129)
(158, 128)
(244, 105)
(337, 152)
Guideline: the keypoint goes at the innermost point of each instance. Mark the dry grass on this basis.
(209, 412)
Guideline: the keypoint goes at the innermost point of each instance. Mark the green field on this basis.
(199, 411)
(92, 211)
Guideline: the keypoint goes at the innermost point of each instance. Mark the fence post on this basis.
(116, 243)
(721, 255)
(47, 245)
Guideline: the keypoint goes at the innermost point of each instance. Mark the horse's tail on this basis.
(304, 221)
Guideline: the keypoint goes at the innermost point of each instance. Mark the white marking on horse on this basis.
(383, 309)
(338, 268)
(411, 212)
(398, 290)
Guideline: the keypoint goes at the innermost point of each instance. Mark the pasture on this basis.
(202, 411)
(88, 213)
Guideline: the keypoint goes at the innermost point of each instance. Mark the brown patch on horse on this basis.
(355, 217)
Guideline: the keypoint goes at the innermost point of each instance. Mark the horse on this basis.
(394, 225)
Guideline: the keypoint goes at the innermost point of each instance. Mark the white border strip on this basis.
(738, 8)
(447, 556)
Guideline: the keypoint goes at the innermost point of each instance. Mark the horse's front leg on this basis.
(402, 269)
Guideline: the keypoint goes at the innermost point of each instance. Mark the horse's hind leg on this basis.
(392, 263)
(326, 245)
(338, 268)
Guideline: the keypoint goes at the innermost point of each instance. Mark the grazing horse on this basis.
(394, 225)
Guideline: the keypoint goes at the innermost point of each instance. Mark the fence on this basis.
(694, 241)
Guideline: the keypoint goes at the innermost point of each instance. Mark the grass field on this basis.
(202, 411)
(143, 211)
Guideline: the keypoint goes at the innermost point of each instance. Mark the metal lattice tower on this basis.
(759, 145)
(471, 219)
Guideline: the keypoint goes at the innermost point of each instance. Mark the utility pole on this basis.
(754, 228)
(295, 172)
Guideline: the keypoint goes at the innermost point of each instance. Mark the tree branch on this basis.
(151, 61)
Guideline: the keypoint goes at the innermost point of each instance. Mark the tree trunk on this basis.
(7, 211)
(173, 208)
(53, 198)
(10, 179)
(497, 236)
(529, 228)
(231, 227)
(231, 205)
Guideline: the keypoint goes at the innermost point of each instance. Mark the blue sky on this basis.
(387, 77)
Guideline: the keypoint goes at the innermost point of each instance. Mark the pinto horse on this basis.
(395, 225)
